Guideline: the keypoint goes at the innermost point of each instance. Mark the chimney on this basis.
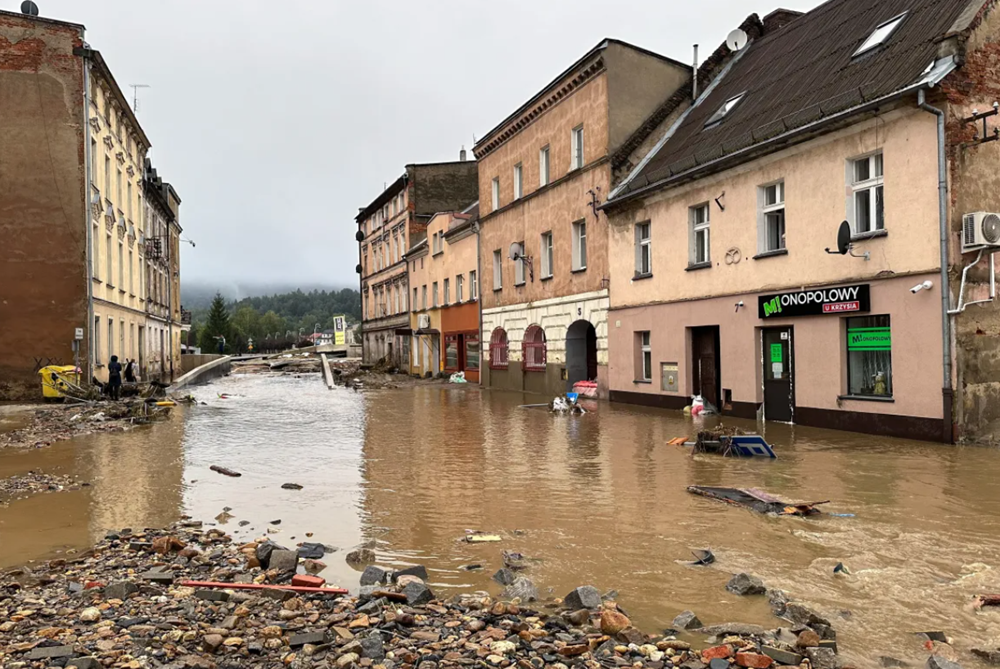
(461, 154)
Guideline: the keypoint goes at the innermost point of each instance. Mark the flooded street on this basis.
(596, 499)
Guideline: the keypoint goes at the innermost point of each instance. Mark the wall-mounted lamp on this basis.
(517, 254)
(926, 285)
(739, 305)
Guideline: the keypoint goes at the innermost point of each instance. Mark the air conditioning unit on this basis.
(980, 230)
(424, 321)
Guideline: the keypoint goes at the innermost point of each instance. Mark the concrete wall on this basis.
(203, 374)
(191, 361)
(974, 182)
(43, 221)
(816, 201)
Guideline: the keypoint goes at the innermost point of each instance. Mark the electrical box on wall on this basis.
(669, 377)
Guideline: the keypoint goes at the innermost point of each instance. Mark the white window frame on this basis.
(459, 281)
(579, 245)
(880, 35)
(700, 228)
(646, 356)
(546, 253)
(519, 267)
(518, 181)
(497, 270)
(473, 286)
(643, 248)
(495, 193)
(544, 166)
(576, 148)
(873, 186)
(767, 210)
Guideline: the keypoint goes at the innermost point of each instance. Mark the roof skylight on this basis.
(880, 35)
(724, 110)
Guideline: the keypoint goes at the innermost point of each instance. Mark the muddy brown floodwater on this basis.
(596, 499)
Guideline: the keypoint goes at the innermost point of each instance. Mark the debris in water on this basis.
(223, 470)
(758, 500)
(703, 556)
(291, 486)
(482, 538)
(841, 568)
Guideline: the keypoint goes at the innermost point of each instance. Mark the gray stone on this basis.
(212, 595)
(990, 656)
(686, 621)
(803, 615)
(50, 652)
(504, 576)
(159, 576)
(693, 663)
(84, 663)
(360, 557)
(373, 607)
(890, 662)
(315, 638)
(938, 662)
(745, 584)
(732, 629)
(778, 600)
(718, 663)
(584, 597)
(417, 594)
(230, 622)
(373, 575)
(824, 658)
(365, 592)
(120, 590)
(522, 588)
(372, 647)
(285, 561)
(419, 571)
(785, 657)
(264, 552)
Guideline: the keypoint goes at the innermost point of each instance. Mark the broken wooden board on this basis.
(757, 500)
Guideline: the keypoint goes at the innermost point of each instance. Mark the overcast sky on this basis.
(276, 120)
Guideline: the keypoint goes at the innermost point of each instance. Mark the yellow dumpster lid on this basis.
(58, 369)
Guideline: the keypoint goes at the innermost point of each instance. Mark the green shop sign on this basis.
(869, 339)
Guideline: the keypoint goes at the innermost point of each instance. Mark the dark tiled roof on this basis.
(804, 72)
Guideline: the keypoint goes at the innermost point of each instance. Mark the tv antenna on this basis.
(844, 244)
(135, 95)
(737, 39)
(30, 8)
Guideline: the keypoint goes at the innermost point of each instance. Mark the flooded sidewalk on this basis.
(598, 498)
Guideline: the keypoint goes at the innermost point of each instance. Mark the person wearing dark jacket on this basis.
(129, 371)
(115, 378)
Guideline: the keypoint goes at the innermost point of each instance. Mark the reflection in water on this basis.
(596, 499)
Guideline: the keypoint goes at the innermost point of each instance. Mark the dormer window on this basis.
(724, 110)
(880, 35)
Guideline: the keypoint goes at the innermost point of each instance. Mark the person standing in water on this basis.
(115, 378)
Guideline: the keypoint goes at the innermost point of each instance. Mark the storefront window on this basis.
(451, 352)
(869, 357)
(472, 352)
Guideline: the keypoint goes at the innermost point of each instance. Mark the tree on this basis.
(216, 326)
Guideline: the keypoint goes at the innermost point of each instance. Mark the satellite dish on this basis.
(516, 251)
(736, 40)
(843, 239)
(30, 8)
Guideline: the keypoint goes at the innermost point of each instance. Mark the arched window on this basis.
(533, 349)
(498, 349)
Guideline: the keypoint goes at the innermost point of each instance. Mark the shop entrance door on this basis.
(779, 371)
(707, 380)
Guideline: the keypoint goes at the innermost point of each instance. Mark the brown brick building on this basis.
(389, 226)
(543, 172)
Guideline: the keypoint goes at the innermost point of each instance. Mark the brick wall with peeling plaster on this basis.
(974, 185)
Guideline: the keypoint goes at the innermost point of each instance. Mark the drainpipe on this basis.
(88, 177)
(946, 388)
(479, 292)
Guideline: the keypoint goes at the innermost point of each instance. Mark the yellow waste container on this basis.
(55, 378)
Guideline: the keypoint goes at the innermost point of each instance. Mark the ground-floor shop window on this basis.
(472, 352)
(498, 349)
(869, 357)
(451, 353)
(533, 351)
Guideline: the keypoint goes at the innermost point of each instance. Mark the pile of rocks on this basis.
(33, 483)
(58, 423)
